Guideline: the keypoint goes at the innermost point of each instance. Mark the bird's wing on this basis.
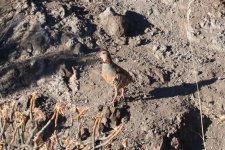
(121, 73)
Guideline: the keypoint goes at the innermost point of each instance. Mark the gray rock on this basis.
(41, 18)
(79, 49)
(113, 24)
(58, 13)
(134, 41)
(70, 43)
(163, 48)
(175, 143)
(121, 41)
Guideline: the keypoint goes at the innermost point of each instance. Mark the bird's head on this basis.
(104, 55)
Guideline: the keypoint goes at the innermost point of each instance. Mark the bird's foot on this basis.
(122, 97)
(114, 100)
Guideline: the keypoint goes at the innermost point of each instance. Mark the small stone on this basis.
(65, 37)
(86, 101)
(175, 143)
(134, 41)
(33, 8)
(121, 41)
(125, 119)
(202, 37)
(149, 135)
(154, 31)
(168, 53)
(147, 30)
(163, 48)
(62, 12)
(154, 48)
(78, 49)
(70, 43)
(41, 17)
(159, 55)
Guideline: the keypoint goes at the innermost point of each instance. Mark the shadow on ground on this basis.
(167, 92)
(190, 135)
(179, 90)
(20, 75)
(137, 23)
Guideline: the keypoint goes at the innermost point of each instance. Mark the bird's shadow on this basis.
(177, 90)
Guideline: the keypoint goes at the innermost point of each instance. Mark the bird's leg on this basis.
(122, 93)
(115, 96)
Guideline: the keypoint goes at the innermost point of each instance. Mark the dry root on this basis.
(110, 137)
(25, 130)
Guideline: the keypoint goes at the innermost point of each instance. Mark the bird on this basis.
(114, 75)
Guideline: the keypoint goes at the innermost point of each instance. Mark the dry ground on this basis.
(49, 46)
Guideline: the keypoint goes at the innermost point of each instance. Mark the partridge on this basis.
(114, 75)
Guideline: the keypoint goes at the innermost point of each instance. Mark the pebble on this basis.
(78, 49)
(134, 41)
(121, 41)
(147, 30)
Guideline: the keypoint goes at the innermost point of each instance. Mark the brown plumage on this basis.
(114, 75)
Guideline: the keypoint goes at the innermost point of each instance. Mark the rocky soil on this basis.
(174, 49)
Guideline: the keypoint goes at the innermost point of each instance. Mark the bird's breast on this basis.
(109, 79)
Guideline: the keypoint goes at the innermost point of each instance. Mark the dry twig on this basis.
(5, 118)
(21, 119)
(34, 97)
(96, 127)
(111, 136)
(189, 30)
(80, 114)
(37, 137)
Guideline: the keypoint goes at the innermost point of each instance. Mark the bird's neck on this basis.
(107, 61)
(107, 67)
